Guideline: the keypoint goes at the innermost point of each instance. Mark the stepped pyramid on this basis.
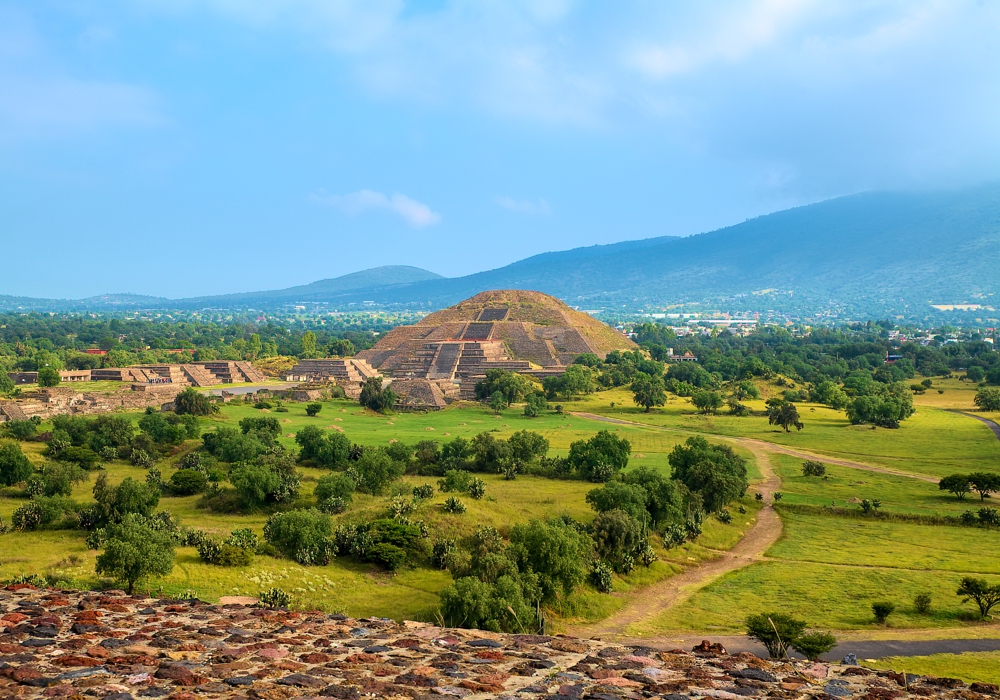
(521, 331)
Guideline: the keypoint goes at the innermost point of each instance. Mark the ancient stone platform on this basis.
(107, 645)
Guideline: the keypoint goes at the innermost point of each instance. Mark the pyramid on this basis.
(521, 331)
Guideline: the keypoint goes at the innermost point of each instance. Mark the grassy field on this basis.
(361, 589)
(972, 666)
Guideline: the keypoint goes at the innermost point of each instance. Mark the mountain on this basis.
(869, 255)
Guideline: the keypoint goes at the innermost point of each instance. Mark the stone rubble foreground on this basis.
(73, 644)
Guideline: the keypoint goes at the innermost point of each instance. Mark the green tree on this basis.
(374, 471)
(254, 347)
(497, 402)
(957, 484)
(553, 551)
(664, 501)
(707, 401)
(886, 406)
(134, 550)
(300, 534)
(776, 631)
(48, 376)
(114, 503)
(192, 402)
(313, 409)
(975, 373)
(308, 344)
(981, 592)
(375, 397)
(600, 457)
(988, 399)
(648, 391)
(984, 484)
(714, 471)
(617, 537)
(334, 486)
(535, 405)
(630, 498)
(270, 479)
(513, 386)
(15, 466)
(527, 446)
(812, 645)
(745, 389)
(6, 384)
(784, 414)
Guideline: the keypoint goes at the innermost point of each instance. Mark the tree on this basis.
(617, 537)
(784, 414)
(497, 402)
(630, 498)
(736, 408)
(6, 384)
(114, 503)
(744, 390)
(308, 344)
(334, 486)
(526, 446)
(714, 471)
(48, 376)
(648, 391)
(812, 645)
(192, 402)
(984, 484)
(134, 549)
(270, 479)
(707, 401)
(15, 466)
(988, 399)
(664, 501)
(375, 397)
(981, 592)
(957, 484)
(975, 373)
(600, 457)
(882, 610)
(553, 551)
(577, 379)
(185, 482)
(374, 471)
(254, 347)
(330, 450)
(776, 631)
(827, 392)
(535, 404)
(886, 406)
(301, 534)
(511, 385)
(313, 409)
(813, 468)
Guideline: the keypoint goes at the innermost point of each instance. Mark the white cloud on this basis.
(409, 210)
(539, 206)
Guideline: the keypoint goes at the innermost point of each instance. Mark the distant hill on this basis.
(869, 255)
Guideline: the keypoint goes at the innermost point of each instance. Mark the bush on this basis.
(303, 535)
(313, 409)
(335, 486)
(724, 516)
(141, 458)
(334, 505)
(441, 552)
(20, 429)
(922, 603)
(882, 610)
(457, 480)
(714, 471)
(223, 553)
(244, 538)
(617, 536)
(186, 482)
(477, 488)
(272, 479)
(15, 466)
(375, 397)
(499, 606)
(48, 376)
(453, 505)
(812, 645)
(192, 402)
(601, 575)
(27, 517)
(776, 631)
(599, 458)
(422, 492)
(813, 468)
(387, 555)
(135, 549)
(274, 598)
(374, 471)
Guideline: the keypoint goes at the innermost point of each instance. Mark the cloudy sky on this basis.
(188, 147)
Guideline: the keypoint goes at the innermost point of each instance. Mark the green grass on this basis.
(933, 441)
(983, 666)
(846, 487)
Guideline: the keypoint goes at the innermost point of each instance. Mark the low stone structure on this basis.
(199, 374)
(347, 373)
(46, 403)
(10, 410)
(69, 644)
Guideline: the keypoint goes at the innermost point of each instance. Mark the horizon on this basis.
(180, 138)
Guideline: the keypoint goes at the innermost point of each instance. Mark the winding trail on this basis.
(659, 597)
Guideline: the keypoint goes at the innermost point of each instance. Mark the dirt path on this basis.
(659, 597)
(752, 444)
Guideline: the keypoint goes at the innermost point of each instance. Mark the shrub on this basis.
(334, 486)
(440, 553)
(498, 606)
(617, 536)
(224, 553)
(303, 535)
(400, 507)
(553, 551)
(477, 488)
(387, 555)
(108, 453)
(186, 482)
(192, 402)
(313, 409)
(334, 505)
(141, 458)
(55, 479)
(135, 549)
(48, 376)
(812, 645)
(272, 479)
(922, 603)
(600, 457)
(457, 480)
(422, 492)
(274, 598)
(882, 610)
(813, 468)
(374, 471)
(19, 429)
(724, 516)
(674, 536)
(375, 397)
(15, 466)
(601, 575)
(776, 631)
(245, 538)
(714, 471)
(27, 517)
(453, 505)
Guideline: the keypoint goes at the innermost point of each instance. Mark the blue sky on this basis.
(189, 147)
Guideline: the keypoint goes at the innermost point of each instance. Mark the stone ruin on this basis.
(112, 646)
(348, 373)
(440, 358)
